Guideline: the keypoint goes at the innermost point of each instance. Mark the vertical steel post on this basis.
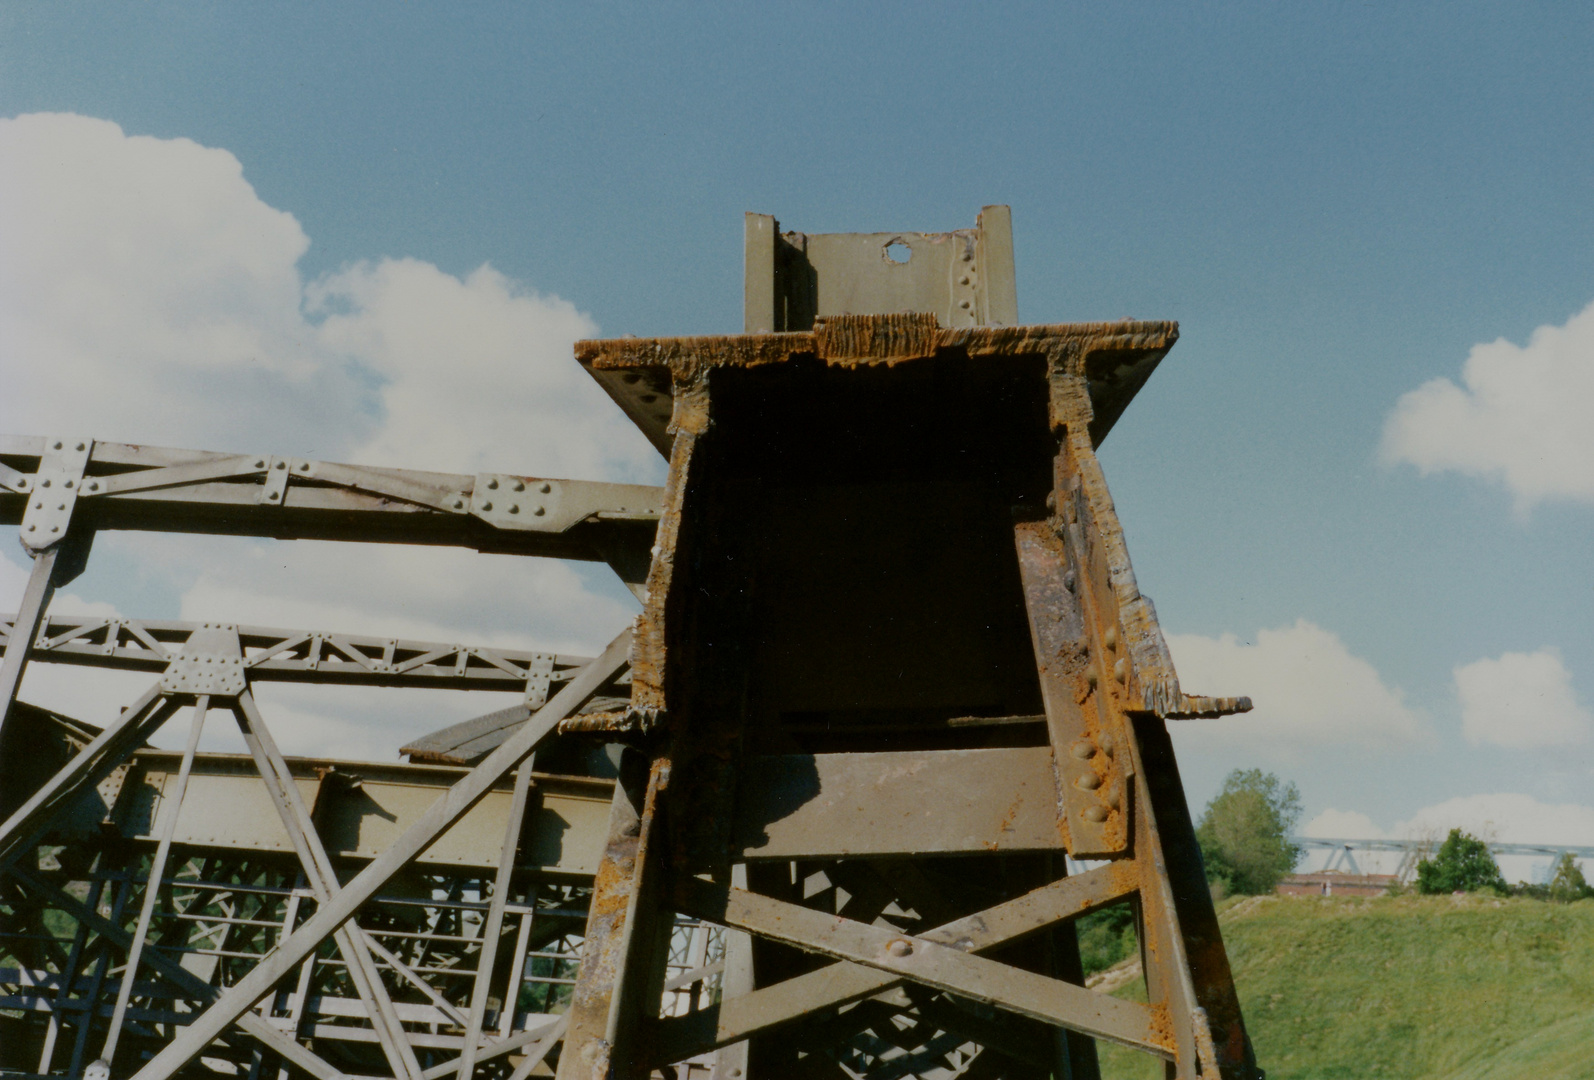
(494, 924)
(157, 870)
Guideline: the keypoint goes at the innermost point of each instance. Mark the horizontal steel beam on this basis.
(127, 486)
(318, 656)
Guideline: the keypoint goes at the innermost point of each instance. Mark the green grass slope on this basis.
(1425, 988)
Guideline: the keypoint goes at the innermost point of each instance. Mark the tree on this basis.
(1569, 884)
(1245, 832)
(1462, 864)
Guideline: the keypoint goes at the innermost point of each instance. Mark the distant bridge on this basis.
(1343, 852)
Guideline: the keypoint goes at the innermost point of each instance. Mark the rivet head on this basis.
(1107, 744)
(519, 486)
(1110, 638)
(47, 483)
(1096, 814)
(900, 947)
(487, 506)
(261, 464)
(60, 506)
(273, 496)
(33, 528)
(68, 484)
(1084, 749)
(81, 446)
(304, 466)
(545, 488)
(1120, 671)
(459, 504)
(1088, 782)
(55, 528)
(539, 512)
(1091, 678)
(964, 280)
(1069, 581)
(282, 464)
(514, 508)
(964, 304)
(57, 446)
(95, 486)
(492, 484)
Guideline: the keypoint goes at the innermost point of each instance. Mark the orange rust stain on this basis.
(1161, 1028)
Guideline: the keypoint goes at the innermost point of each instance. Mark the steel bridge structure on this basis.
(812, 814)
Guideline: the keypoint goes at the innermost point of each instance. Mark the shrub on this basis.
(1462, 864)
(1569, 884)
(1245, 832)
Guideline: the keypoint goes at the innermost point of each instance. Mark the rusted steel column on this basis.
(595, 1041)
(1182, 945)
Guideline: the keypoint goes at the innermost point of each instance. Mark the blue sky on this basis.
(1339, 203)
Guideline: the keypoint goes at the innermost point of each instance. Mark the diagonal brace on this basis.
(742, 1017)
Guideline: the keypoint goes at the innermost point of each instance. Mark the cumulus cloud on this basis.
(1308, 689)
(1506, 818)
(147, 294)
(1343, 824)
(1519, 416)
(1521, 700)
(430, 594)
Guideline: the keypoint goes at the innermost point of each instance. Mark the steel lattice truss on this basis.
(811, 816)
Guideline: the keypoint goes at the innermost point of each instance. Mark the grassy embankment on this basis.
(1415, 988)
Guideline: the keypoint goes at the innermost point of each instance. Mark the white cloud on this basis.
(1519, 417)
(1506, 818)
(1521, 700)
(1308, 691)
(147, 294)
(1343, 824)
(439, 594)
(476, 374)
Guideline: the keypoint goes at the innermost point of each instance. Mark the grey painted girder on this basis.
(353, 943)
(181, 977)
(277, 655)
(330, 916)
(108, 749)
(138, 487)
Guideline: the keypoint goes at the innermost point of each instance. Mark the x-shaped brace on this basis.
(879, 958)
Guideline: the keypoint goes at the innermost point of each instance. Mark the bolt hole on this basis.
(898, 252)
